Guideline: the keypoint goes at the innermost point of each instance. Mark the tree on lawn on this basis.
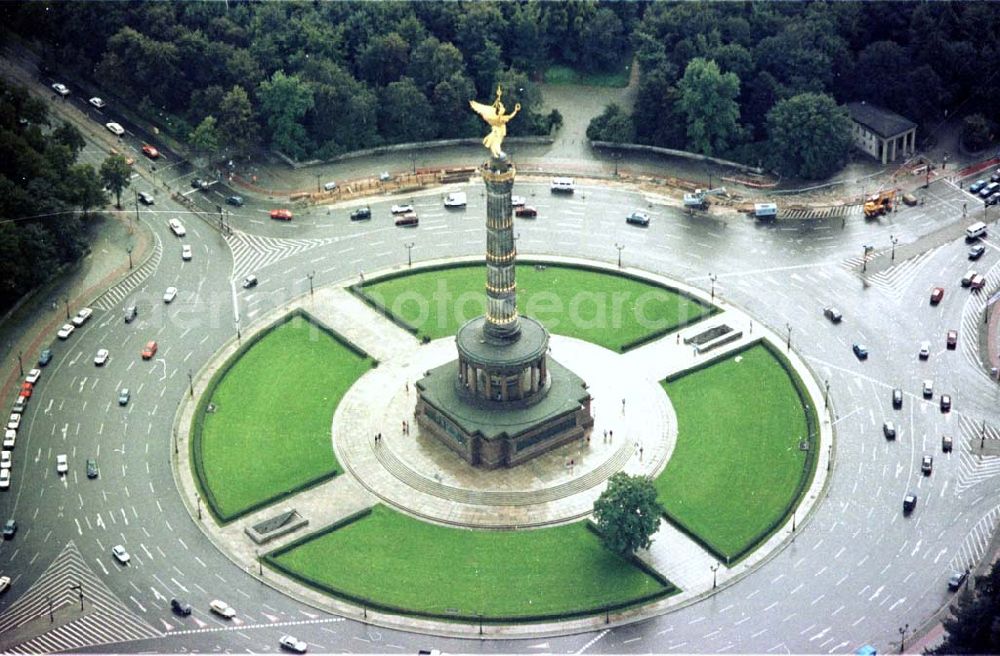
(810, 136)
(627, 513)
(116, 174)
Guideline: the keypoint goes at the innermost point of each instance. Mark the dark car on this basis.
(198, 183)
(526, 212)
(234, 200)
(927, 465)
(361, 214)
(946, 443)
(977, 186)
(945, 402)
(45, 357)
(889, 430)
(951, 339)
(91, 468)
(9, 529)
(180, 607)
(250, 281)
(897, 398)
(638, 218)
(936, 295)
(833, 314)
(976, 252)
(957, 579)
(909, 503)
(861, 351)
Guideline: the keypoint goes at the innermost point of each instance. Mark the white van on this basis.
(975, 231)
(177, 228)
(562, 185)
(456, 199)
(329, 186)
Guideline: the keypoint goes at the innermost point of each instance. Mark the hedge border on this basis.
(710, 310)
(198, 421)
(808, 467)
(366, 602)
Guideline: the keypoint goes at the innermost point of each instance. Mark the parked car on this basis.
(33, 376)
(925, 350)
(861, 351)
(220, 607)
(281, 215)
(889, 430)
(101, 358)
(928, 389)
(833, 314)
(956, 580)
(909, 502)
(62, 464)
(6, 459)
(4, 479)
(361, 214)
(976, 252)
(45, 357)
(638, 218)
(91, 468)
(82, 317)
(250, 281)
(936, 295)
(291, 643)
(120, 554)
(897, 398)
(199, 183)
(123, 396)
(927, 464)
(946, 443)
(66, 330)
(170, 295)
(61, 89)
(181, 608)
(97, 102)
(526, 212)
(9, 529)
(115, 129)
(14, 421)
(945, 402)
(149, 350)
(234, 200)
(402, 209)
(9, 438)
(951, 340)
(977, 186)
(150, 151)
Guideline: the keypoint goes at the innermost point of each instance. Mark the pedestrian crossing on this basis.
(252, 253)
(975, 543)
(111, 299)
(974, 467)
(894, 280)
(827, 212)
(104, 620)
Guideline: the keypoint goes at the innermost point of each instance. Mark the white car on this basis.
(65, 331)
(517, 201)
(33, 376)
(4, 583)
(61, 89)
(120, 554)
(81, 317)
(186, 252)
(97, 102)
(115, 129)
(456, 199)
(170, 294)
(402, 209)
(6, 460)
(177, 228)
(220, 607)
(62, 465)
(9, 438)
(291, 643)
(101, 358)
(4, 479)
(14, 422)
(928, 389)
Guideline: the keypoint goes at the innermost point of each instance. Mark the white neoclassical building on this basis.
(883, 134)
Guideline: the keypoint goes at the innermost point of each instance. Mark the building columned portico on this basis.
(883, 134)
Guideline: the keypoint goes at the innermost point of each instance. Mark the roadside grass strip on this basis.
(269, 431)
(389, 560)
(737, 467)
(607, 309)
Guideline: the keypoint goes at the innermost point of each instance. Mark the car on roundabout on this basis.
(62, 464)
(281, 215)
(293, 644)
(951, 339)
(833, 314)
(976, 252)
(235, 201)
(927, 389)
(925, 350)
(9, 529)
(638, 218)
(92, 471)
(909, 503)
(402, 209)
(860, 351)
(250, 282)
(897, 398)
(927, 465)
(361, 214)
(526, 212)
(61, 89)
(956, 580)
(517, 201)
(124, 395)
(181, 608)
(222, 609)
(946, 444)
(149, 350)
(101, 358)
(120, 554)
(889, 430)
(186, 252)
(945, 402)
(170, 295)
(937, 294)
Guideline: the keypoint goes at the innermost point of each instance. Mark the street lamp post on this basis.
(260, 564)
(413, 161)
(894, 240)
(902, 636)
(130, 257)
(788, 344)
(20, 362)
(715, 576)
(617, 156)
(66, 303)
(864, 259)
(826, 394)
(190, 383)
(713, 278)
(311, 275)
(409, 253)
(619, 247)
(198, 499)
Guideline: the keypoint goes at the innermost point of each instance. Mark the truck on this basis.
(455, 199)
(765, 211)
(699, 199)
(878, 204)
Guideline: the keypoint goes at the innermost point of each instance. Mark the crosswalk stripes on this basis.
(896, 278)
(104, 620)
(827, 212)
(254, 252)
(111, 298)
(975, 468)
(975, 543)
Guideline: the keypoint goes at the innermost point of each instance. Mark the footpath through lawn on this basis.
(603, 308)
(270, 430)
(399, 562)
(737, 466)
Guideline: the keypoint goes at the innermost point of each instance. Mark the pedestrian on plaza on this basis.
(605, 436)
(404, 427)
(678, 338)
(623, 406)
(640, 454)
(588, 439)
(611, 436)
(407, 384)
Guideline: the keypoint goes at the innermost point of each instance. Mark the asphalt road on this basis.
(857, 571)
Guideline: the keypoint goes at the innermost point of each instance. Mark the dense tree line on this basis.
(43, 191)
(318, 79)
(725, 78)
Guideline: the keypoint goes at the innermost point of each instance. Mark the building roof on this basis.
(879, 120)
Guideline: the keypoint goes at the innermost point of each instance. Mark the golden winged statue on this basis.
(494, 115)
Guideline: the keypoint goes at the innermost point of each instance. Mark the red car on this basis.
(26, 389)
(936, 295)
(150, 151)
(952, 339)
(149, 351)
(281, 215)
(526, 211)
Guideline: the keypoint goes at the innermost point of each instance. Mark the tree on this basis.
(116, 175)
(602, 41)
(236, 124)
(284, 100)
(627, 513)
(205, 138)
(405, 114)
(612, 125)
(84, 188)
(384, 60)
(69, 136)
(809, 136)
(974, 625)
(977, 132)
(707, 103)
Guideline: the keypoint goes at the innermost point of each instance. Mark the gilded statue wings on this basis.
(488, 112)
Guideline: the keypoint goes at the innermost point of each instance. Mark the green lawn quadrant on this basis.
(737, 465)
(270, 430)
(603, 308)
(415, 567)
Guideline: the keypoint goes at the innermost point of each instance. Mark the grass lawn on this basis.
(565, 75)
(270, 432)
(602, 308)
(423, 568)
(737, 463)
